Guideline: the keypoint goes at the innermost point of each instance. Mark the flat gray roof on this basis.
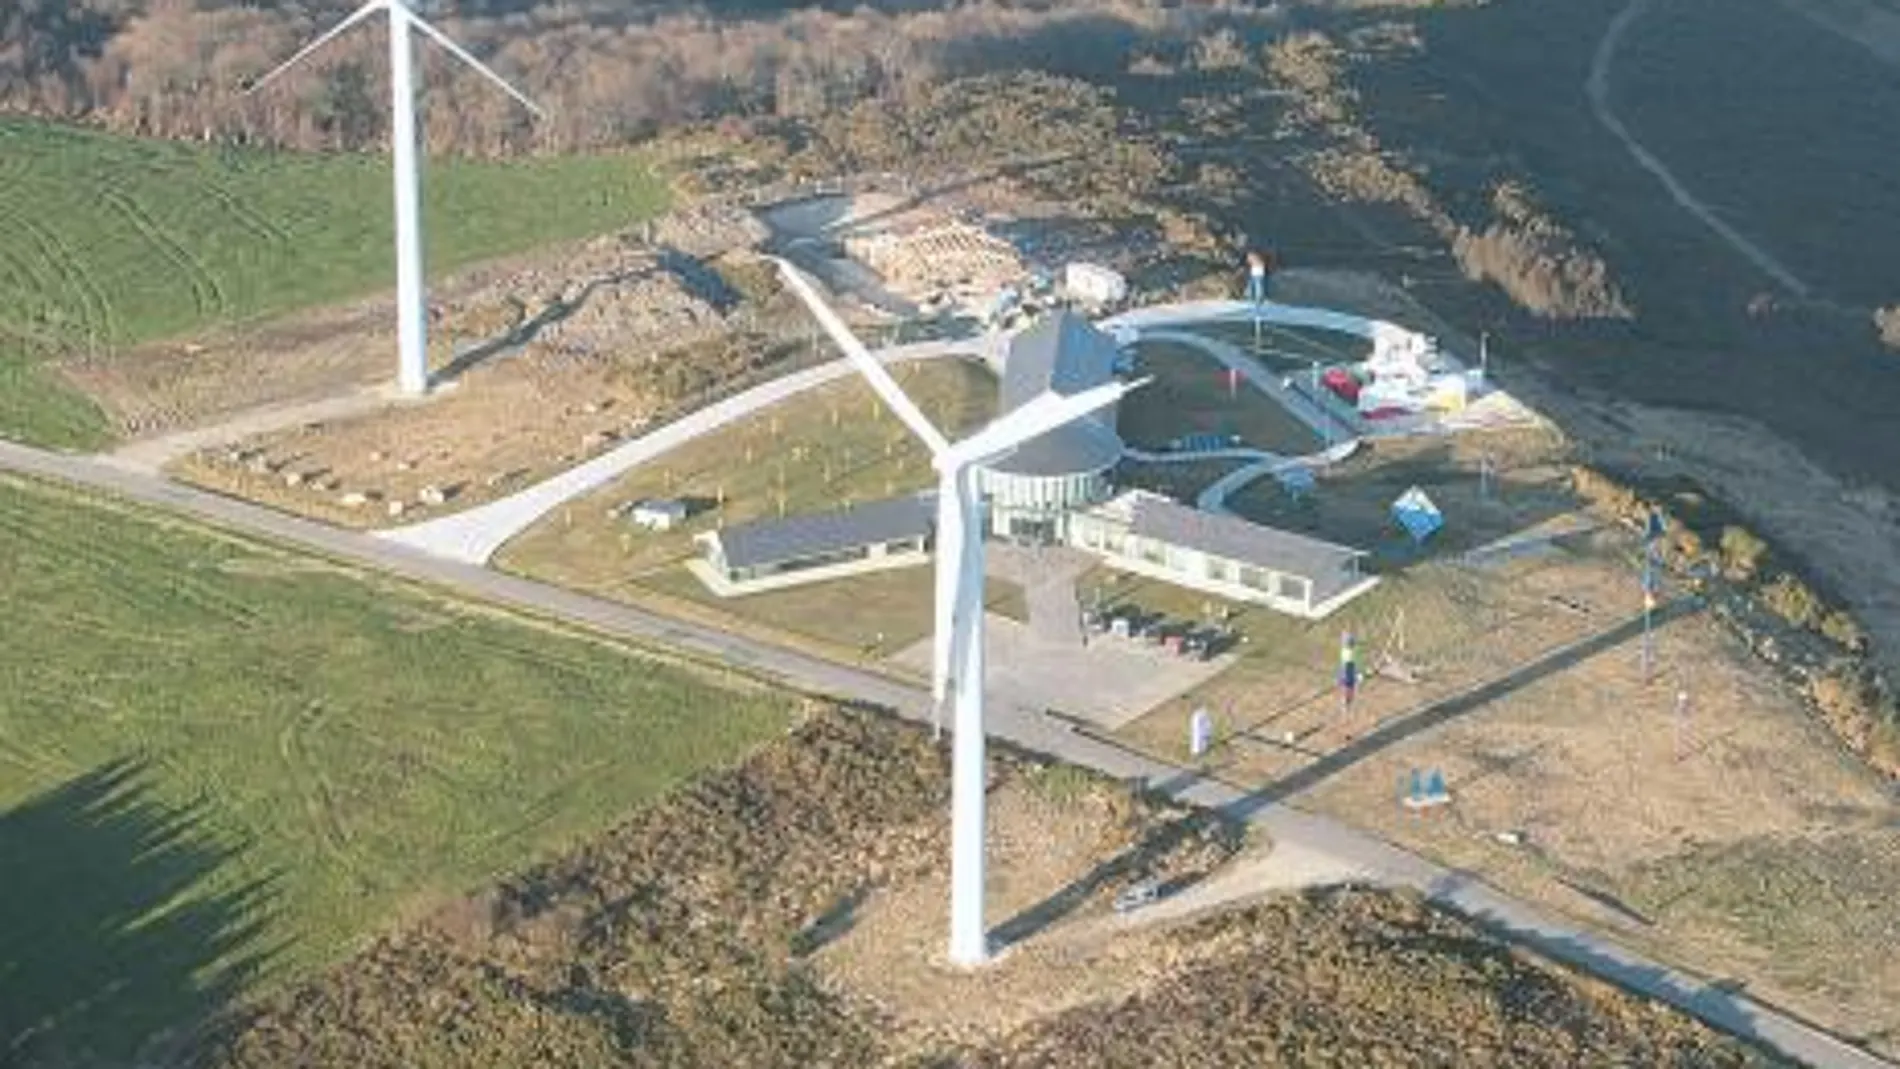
(1062, 352)
(1235, 539)
(779, 539)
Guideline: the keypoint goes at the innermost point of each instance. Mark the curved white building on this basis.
(1033, 490)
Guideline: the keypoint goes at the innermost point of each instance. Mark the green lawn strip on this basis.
(311, 756)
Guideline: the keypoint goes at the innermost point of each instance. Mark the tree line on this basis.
(608, 72)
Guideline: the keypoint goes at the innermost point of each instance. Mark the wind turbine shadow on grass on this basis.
(112, 947)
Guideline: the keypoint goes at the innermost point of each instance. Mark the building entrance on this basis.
(1032, 531)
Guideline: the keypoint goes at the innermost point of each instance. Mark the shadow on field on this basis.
(1443, 710)
(106, 936)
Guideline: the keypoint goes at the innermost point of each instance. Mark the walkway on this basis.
(472, 537)
(1315, 835)
(1597, 86)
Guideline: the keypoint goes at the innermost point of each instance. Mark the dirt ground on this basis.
(1735, 837)
(1528, 693)
(189, 382)
(599, 362)
(1041, 844)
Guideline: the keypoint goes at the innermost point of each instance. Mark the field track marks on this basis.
(252, 220)
(206, 293)
(1597, 88)
(318, 803)
(97, 321)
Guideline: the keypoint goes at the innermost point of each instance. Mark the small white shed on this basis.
(658, 513)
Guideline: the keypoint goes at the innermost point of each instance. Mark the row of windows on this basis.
(1095, 535)
(1046, 491)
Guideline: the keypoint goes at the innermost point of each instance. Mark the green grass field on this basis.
(820, 451)
(213, 752)
(111, 241)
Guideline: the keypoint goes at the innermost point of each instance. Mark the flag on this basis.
(1348, 667)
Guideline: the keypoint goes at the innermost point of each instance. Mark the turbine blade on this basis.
(480, 68)
(1042, 414)
(867, 364)
(355, 17)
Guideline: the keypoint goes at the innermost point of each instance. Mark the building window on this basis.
(1151, 551)
(817, 560)
(1293, 588)
(1254, 577)
(1219, 570)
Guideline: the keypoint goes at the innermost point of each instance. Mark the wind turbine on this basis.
(957, 663)
(412, 367)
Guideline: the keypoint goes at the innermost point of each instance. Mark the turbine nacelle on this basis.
(401, 15)
(1039, 416)
(412, 329)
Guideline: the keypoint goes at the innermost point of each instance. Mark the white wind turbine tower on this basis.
(412, 368)
(957, 669)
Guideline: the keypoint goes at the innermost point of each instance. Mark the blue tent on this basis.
(1417, 514)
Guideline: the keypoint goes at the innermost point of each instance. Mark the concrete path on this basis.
(1047, 575)
(1320, 836)
(472, 537)
(1597, 87)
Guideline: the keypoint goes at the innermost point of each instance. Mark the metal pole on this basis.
(412, 368)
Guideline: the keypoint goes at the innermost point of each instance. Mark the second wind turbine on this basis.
(412, 366)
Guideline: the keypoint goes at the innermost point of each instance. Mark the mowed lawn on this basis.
(221, 763)
(834, 446)
(111, 241)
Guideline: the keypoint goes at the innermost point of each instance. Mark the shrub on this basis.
(1603, 492)
(1793, 601)
(1743, 552)
(1064, 784)
(1538, 262)
(1222, 50)
(1849, 703)
(1843, 629)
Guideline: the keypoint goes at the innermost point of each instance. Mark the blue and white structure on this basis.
(412, 366)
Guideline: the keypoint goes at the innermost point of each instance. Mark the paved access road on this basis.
(1350, 850)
